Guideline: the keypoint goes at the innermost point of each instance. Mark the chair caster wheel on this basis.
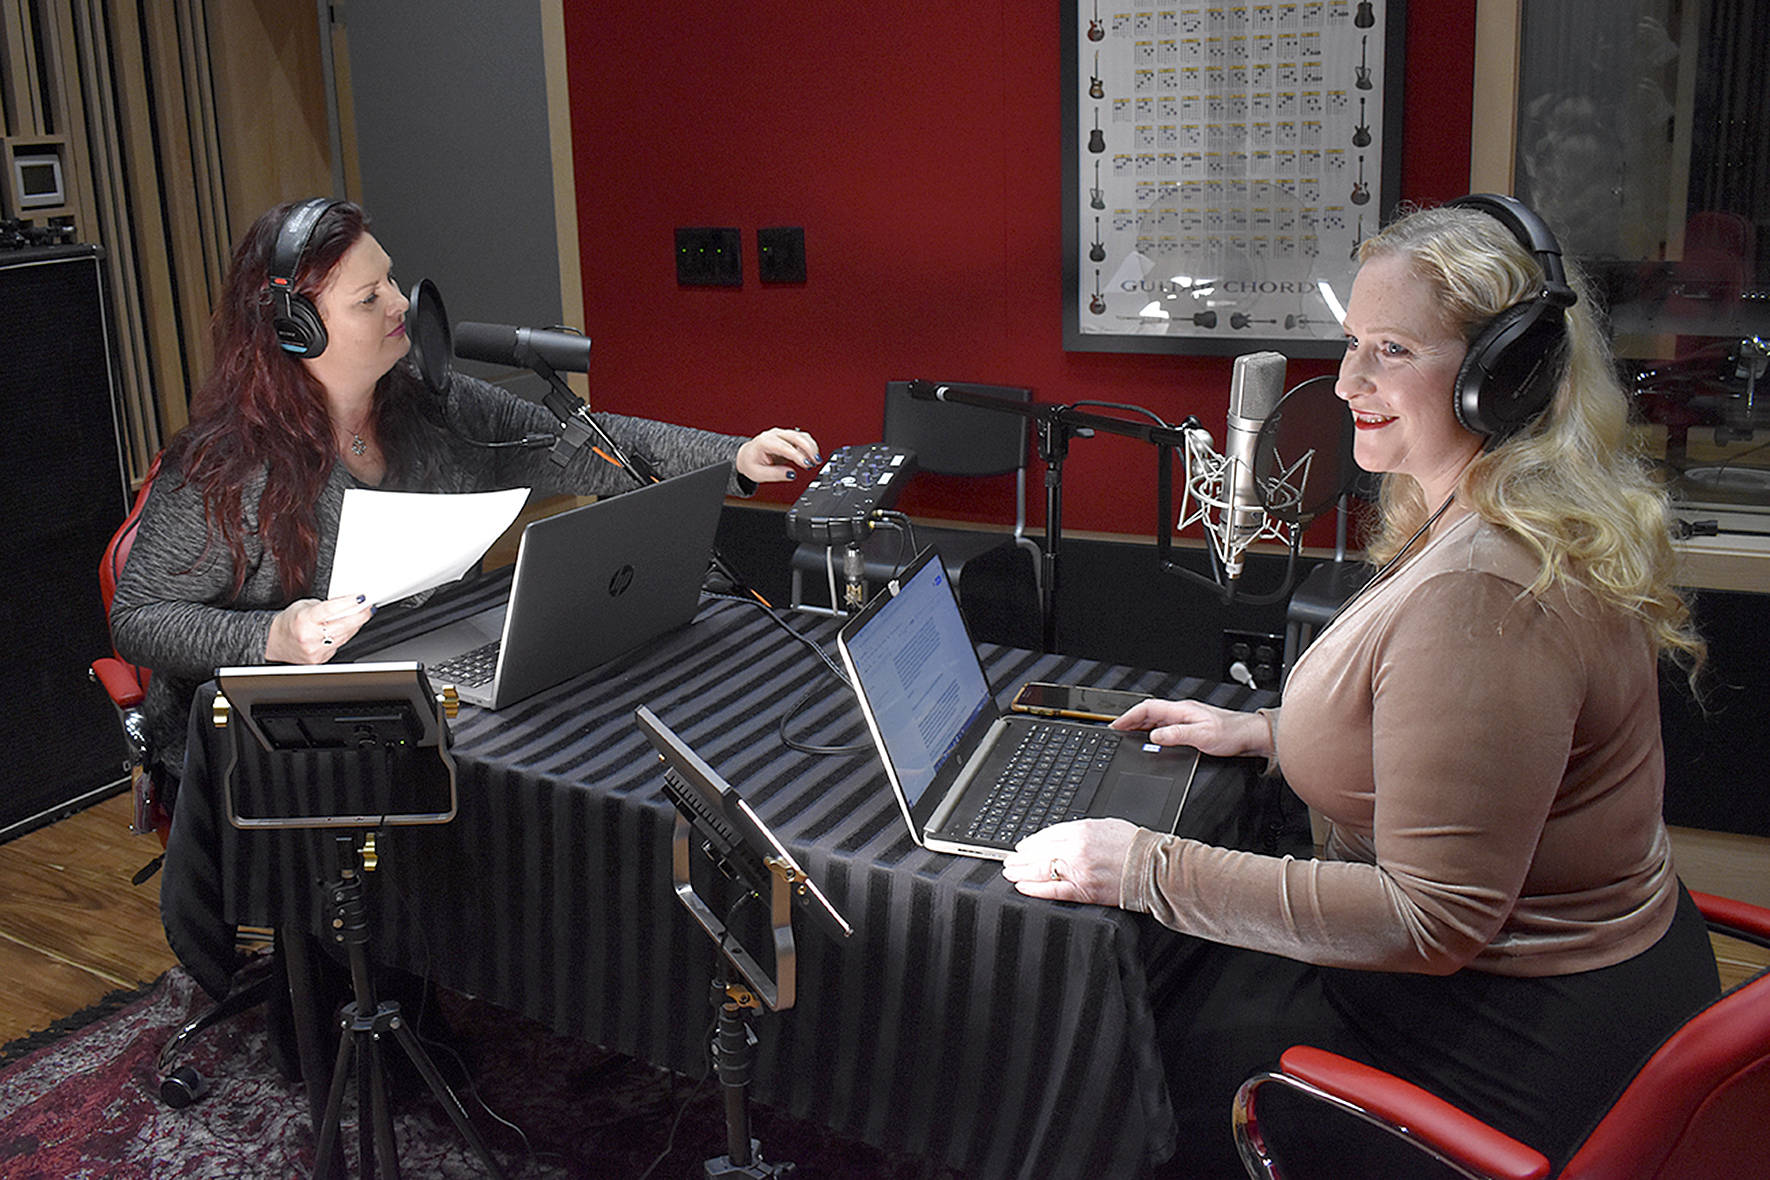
(182, 1087)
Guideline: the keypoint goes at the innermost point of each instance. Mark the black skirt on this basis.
(1539, 1058)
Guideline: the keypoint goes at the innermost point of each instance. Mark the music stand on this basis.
(748, 853)
(359, 747)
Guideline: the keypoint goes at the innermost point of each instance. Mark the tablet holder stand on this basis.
(347, 733)
(709, 811)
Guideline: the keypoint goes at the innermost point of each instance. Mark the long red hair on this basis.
(260, 408)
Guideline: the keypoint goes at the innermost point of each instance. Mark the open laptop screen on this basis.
(920, 675)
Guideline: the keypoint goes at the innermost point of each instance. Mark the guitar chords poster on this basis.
(1224, 161)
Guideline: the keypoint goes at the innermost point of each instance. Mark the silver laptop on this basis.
(591, 584)
(956, 762)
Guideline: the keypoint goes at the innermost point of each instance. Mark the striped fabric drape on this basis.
(551, 894)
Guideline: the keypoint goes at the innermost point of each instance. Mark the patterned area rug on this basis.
(86, 1104)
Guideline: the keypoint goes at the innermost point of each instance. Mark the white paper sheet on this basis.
(391, 545)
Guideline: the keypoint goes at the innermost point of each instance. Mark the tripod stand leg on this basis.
(376, 1131)
(444, 1096)
(326, 1150)
(309, 1019)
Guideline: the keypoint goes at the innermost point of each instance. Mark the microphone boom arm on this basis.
(1055, 425)
(577, 425)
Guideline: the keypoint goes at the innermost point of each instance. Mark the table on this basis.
(550, 894)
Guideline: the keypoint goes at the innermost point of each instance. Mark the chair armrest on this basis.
(118, 681)
(1740, 919)
(1432, 1121)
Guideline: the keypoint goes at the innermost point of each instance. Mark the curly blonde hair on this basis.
(1570, 484)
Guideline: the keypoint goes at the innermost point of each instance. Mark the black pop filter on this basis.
(427, 327)
(1303, 457)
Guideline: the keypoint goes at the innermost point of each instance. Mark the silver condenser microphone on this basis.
(1255, 388)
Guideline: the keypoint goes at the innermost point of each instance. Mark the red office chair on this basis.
(126, 685)
(1697, 1108)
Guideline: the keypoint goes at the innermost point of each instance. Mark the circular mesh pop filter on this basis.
(427, 326)
(1303, 456)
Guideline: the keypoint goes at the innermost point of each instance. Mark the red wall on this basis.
(919, 147)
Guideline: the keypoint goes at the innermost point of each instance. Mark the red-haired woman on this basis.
(311, 395)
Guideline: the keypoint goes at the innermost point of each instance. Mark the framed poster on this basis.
(1222, 163)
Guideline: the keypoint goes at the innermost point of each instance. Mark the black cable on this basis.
(1725, 463)
(527, 440)
(906, 536)
(793, 743)
(416, 1023)
(834, 668)
(675, 1123)
(774, 614)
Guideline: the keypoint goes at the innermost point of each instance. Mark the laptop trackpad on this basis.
(1144, 799)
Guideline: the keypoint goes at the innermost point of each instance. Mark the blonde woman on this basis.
(1495, 916)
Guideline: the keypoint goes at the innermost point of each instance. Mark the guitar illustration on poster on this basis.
(1233, 208)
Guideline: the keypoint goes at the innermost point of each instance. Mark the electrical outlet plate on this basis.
(780, 253)
(709, 256)
(1262, 654)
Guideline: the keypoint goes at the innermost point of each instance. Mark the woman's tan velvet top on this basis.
(1491, 766)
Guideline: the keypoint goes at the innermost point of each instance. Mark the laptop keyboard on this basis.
(1049, 778)
(470, 669)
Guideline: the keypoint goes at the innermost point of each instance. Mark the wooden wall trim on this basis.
(565, 190)
(1493, 150)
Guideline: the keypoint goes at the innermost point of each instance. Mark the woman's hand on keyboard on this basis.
(1082, 860)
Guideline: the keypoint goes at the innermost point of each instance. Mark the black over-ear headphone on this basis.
(1513, 363)
(297, 321)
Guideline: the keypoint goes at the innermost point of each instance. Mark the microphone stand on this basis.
(576, 425)
(1054, 426)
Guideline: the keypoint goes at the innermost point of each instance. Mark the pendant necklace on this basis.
(359, 446)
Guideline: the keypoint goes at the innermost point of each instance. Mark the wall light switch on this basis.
(709, 256)
(780, 253)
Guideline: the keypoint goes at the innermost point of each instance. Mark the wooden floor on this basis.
(73, 927)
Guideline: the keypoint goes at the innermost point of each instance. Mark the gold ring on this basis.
(1055, 875)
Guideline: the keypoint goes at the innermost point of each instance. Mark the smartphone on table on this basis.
(1074, 701)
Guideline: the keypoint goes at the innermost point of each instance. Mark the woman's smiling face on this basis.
(1398, 376)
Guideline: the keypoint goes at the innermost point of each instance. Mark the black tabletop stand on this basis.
(714, 816)
(351, 749)
(365, 1022)
(734, 1058)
